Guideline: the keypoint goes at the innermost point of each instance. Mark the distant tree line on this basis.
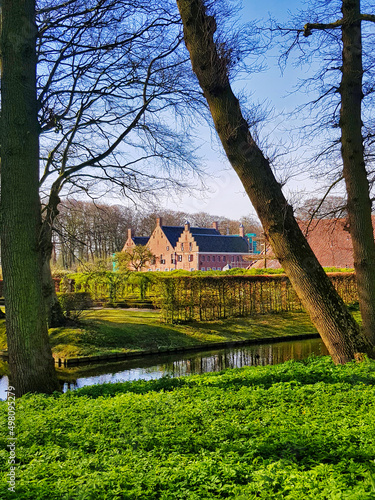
(86, 231)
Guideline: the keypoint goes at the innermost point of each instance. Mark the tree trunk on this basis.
(54, 312)
(30, 358)
(354, 169)
(339, 331)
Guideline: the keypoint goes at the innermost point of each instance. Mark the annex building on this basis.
(192, 248)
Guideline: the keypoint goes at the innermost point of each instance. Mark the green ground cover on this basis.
(298, 430)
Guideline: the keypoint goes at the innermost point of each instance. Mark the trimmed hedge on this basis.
(206, 298)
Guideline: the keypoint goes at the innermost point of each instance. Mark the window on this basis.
(208, 258)
(191, 258)
(224, 259)
(202, 269)
(179, 258)
(192, 269)
(213, 258)
(167, 248)
(208, 269)
(214, 268)
(172, 259)
(166, 269)
(218, 259)
(182, 246)
(203, 258)
(190, 247)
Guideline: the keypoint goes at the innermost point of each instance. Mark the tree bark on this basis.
(339, 331)
(354, 169)
(54, 312)
(30, 358)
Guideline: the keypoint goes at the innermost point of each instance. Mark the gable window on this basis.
(190, 247)
(182, 246)
(167, 248)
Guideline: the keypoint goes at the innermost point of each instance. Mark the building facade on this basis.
(192, 248)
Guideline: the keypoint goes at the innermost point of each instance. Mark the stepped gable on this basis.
(217, 243)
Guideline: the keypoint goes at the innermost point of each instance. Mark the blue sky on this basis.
(225, 195)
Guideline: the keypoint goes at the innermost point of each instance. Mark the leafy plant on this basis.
(298, 430)
(74, 303)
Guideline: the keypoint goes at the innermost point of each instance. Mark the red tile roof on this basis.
(330, 241)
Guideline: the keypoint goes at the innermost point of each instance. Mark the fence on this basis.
(205, 298)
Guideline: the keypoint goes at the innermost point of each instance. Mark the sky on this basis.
(225, 195)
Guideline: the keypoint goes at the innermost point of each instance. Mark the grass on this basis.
(120, 330)
(107, 331)
(298, 430)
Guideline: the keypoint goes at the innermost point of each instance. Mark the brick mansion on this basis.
(192, 248)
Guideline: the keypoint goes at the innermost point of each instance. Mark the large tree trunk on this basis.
(339, 331)
(30, 358)
(354, 170)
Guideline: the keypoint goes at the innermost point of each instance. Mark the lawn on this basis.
(105, 331)
(298, 430)
(120, 330)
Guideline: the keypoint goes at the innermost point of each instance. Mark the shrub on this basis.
(74, 303)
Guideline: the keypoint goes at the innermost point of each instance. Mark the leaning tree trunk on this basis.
(339, 331)
(354, 170)
(54, 312)
(30, 358)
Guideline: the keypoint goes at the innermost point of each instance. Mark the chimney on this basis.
(129, 234)
(159, 221)
(187, 225)
(215, 225)
(242, 231)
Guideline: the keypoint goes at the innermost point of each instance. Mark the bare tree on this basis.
(336, 326)
(30, 358)
(345, 84)
(113, 104)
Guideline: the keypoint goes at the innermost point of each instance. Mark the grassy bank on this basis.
(299, 430)
(119, 330)
(106, 331)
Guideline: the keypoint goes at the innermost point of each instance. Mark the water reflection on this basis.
(177, 365)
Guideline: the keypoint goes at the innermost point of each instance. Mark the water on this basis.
(188, 363)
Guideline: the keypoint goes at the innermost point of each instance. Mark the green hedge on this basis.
(205, 298)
